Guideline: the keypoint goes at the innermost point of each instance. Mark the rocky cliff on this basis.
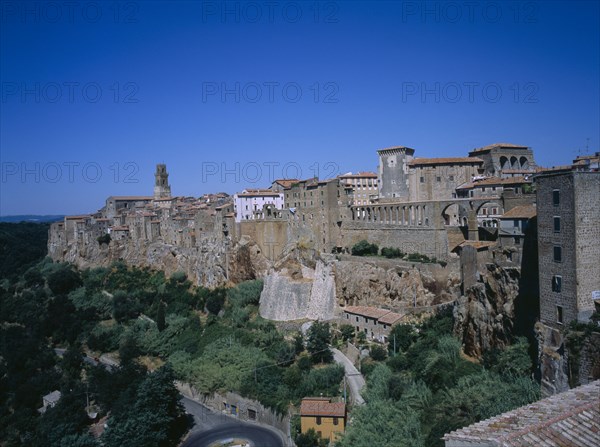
(210, 264)
(484, 317)
(380, 282)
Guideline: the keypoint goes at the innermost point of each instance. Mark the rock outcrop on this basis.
(210, 264)
(392, 284)
(301, 287)
(484, 316)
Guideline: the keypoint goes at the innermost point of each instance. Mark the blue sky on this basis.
(232, 94)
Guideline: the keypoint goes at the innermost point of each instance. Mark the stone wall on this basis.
(224, 403)
(428, 241)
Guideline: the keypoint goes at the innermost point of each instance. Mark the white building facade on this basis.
(251, 200)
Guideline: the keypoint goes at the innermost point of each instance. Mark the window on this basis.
(559, 314)
(451, 178)
(438, 179)
(318, 420)
(557, 254)
(556, 197)
(422, 179)
(335, 421)
(557, 283)
(357, 319)
(517, 240)
(556, 224)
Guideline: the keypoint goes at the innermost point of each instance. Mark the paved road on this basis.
(354, 378)
(210, 427)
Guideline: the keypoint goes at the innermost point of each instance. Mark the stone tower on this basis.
(162, 189)
(393, 173)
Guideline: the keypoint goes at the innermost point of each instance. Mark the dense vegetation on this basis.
(214, 339)
(426, 388)
(21, 246)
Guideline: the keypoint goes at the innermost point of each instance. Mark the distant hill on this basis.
(21, 246)
(31, 218)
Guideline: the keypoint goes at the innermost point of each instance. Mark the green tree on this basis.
(160, 317)
(378, 353)
(318, 340)
(309, 439)
(347, 331)
(401, 337)
(364, 248)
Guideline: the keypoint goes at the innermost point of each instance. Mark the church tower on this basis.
(162, 189)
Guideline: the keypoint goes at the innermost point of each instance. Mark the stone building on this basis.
(249, 201)
(568, 220)
(317, 209)
(393, 173)
(438, 178)
(364, 187)
(505, 160)
(376, 323)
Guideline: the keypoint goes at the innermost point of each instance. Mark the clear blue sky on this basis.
(231, 94)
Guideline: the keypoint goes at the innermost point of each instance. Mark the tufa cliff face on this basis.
(393, 284)
(210, 264)
(484, 316)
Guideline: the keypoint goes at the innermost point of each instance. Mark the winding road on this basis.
(210, 427)
(356, 381)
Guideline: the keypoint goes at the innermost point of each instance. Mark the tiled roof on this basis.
(315, 406)
(477, 244)
(495, 181)
(359, 175)
(496, 146)
(390, 318)
(366, 311)
(258, 193)
(520, 212)
(84, 216)
(131, 198)
(569, 419)
(445, 161)
(286, 183)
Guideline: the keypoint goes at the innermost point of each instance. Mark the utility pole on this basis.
(345, 399)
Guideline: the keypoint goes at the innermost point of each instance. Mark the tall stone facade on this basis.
(505, 160)
(568, 244)
(393, 173)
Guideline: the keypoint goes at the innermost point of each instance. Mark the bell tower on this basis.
(162, 189)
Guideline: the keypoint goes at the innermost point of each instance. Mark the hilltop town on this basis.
(473, 232)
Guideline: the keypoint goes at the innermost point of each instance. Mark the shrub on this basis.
(364, 248)
(347, 331)
(390, 252)
(378, 353)
(104, 239)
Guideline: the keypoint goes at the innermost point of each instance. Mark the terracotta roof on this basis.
(366, 311)
(286, 183)
(520, 212)
(477, 244)
(359, 175)
(258, 192)
(131, 198)
(391, 318)
(83, 216)
(493, 181)
(315, 406)
(496, 146)
(569, 419)
(445, 161)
